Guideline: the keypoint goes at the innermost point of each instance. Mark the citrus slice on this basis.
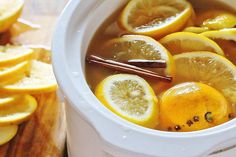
(8, 73)
(6, 99)
(209, 68)
(226, 34)
(7, 133)
(39, 79)
(199, 105)
(216, 19)
(10, 55)
(10, 10)
(226, 39)
(197, 30)
(17, 113)
(155, 18)
(130, 97)
(182, 42)
(130, 47)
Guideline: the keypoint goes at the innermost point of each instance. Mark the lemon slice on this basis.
(9, 12)
(221, 21)
(7, 133)
(130, 47)
(197, 30)
(199, 105)
(10, 55)
(155, 18)
(8, 73)
(182, 42)
(17, 113)
(209, 68)
(226, 39)
(40, 79)
(226, 34)
(6, 99)
(130, 97)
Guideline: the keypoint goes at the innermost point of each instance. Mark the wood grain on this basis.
(44, 134)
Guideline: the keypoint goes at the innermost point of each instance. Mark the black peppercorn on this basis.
(177, 128)
(196, 118)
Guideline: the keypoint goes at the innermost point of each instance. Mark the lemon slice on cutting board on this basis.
(130, 97)
(199, 105)
(155, 18)
(10, 55)
(7, 133)
(226, 39)
(182, 42)
(39, 79)
(209, 68)
(17, 113)
(10, 10)
(9, 73)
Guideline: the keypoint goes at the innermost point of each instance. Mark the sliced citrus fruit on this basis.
(226, 39)
(130, 97)
(39, 79)
(10, 55)
(226, 34)
(8, 73)
(216, 19)
(182, 42)
(6, 99)
(7, 133)
(209, 68)
(199, 105)
(130, 47)
(155, 18)
(197, 30)
(17, 113)
(9, 12)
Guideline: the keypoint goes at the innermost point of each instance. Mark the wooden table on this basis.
(44, 134)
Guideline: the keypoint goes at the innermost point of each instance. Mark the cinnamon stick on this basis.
(127, 68)
(147, 63)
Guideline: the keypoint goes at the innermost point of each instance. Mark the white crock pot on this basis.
(92, 130)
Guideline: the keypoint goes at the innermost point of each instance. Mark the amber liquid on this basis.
(109, 30)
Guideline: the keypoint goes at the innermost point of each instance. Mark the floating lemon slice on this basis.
(39, 79)
(226, 39)
(209, 68)
(182, 42)
(130, 97)
(139, 47)
(17, 113)
(7, 133)
(9, 12)
(10, 55)
(225, 34)
(216, 19)
(6, 99)
(192, 106)
(197, 30)
(155, 18)
(9, 73)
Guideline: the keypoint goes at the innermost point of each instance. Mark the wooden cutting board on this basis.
(44, 134)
